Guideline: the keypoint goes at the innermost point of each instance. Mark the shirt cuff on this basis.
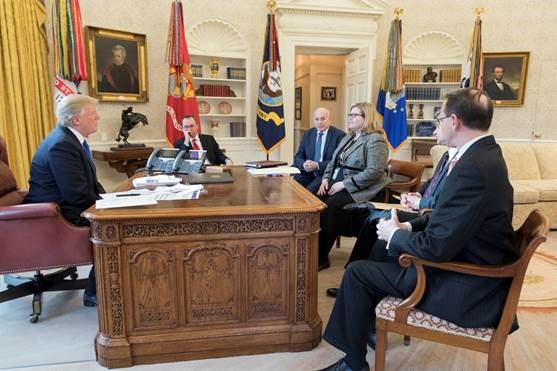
(407, 226)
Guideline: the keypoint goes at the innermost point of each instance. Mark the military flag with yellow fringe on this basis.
(270, 110)
(181, 99)
(391, 99)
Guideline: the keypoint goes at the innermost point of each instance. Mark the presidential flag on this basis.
(270, 111)
(472, 76)
(181, 99)
(391, 99)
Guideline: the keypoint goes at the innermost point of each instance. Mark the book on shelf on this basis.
(214, 90)
(412, 75)
(450, 75)
(235, 73)
(423, 93)
(237, 129)
(197, 70)
(265, 163)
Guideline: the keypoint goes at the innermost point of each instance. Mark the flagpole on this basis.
(271, 6)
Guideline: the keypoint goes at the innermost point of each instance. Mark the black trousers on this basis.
(367, 246)
(309, 180)
(363, 286)
(336, 222)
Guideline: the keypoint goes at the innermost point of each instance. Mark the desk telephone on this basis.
(172, 160)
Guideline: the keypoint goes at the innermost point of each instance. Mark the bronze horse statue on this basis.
(129, 121)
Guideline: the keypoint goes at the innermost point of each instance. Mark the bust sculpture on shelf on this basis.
(130, 120)
(430, 75)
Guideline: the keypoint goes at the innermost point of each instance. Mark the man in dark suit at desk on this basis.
(471, 222)
(316, 150)
(63, 171)
(193, 140)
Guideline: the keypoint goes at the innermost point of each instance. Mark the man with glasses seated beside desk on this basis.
(193, 140)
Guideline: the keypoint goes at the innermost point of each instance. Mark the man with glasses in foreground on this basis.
(470, 223)
(193, 140)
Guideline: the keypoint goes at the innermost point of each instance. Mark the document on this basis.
(156, 180)
(281, 170)
(385, 206)
(129, 201)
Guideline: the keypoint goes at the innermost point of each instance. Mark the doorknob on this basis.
(537, 135)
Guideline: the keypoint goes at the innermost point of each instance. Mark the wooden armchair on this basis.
(400, 316)
(410, 171)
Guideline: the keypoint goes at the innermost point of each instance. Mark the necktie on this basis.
(437, 176)
(452, 164)
(194, 144)
(318, 144)
(87, 150)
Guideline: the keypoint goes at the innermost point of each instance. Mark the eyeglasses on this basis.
(438, 120)
(354, 115)
(188, 126)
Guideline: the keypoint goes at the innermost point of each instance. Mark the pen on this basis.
(396, 197)
(128, 194)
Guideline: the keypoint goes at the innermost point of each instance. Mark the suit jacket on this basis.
(306, 150)
(495, 93)
(62, 172)
(471, 222)
(364, 165)
(214, 153)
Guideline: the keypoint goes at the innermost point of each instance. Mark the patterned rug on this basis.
(540, 284)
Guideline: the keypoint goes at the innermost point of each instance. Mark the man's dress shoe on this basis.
(365, 207)
(332, 292)
(89, 300)
(340, 365)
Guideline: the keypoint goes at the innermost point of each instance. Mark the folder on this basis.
(265, 163)
(210, 178)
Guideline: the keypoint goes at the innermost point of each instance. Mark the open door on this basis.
(358, 78)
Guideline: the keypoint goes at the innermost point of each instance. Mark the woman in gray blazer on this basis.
(356, 173)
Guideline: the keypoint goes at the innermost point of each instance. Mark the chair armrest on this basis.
(397, 185)
(495, 271)
(407, 260)
(29, 211)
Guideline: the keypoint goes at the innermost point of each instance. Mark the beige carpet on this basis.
(540, 284)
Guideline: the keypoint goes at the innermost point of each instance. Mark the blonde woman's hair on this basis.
(370, 124)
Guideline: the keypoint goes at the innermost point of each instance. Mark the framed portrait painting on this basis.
(117, 65)
(328, 93)
(504, 77)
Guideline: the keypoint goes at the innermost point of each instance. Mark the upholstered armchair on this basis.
(36, 237)
(400, 315)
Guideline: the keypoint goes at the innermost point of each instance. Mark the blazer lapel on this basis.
(76, 142)
(311, 145)
(359, 142)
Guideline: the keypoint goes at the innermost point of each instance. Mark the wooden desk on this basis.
(232, 273)
(125, 161)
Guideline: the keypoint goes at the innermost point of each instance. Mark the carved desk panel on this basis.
(232, 273)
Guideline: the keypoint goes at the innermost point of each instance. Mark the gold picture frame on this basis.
(511, 68)
(116, 65)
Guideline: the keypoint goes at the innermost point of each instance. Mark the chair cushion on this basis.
(386, 310)
(547, 188)
(546, 153)
(523, 194)
(521, 161)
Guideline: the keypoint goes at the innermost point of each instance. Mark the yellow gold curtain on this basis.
(26, 95)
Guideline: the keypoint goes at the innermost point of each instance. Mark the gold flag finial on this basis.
(478, 12)
(271, 5)
(398, 12)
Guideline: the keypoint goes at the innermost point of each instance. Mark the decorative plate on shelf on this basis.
(225, 108)
(204, 107)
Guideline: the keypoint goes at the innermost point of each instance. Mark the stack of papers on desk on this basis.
(141, 197)
(156, 180)
(275, 170)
